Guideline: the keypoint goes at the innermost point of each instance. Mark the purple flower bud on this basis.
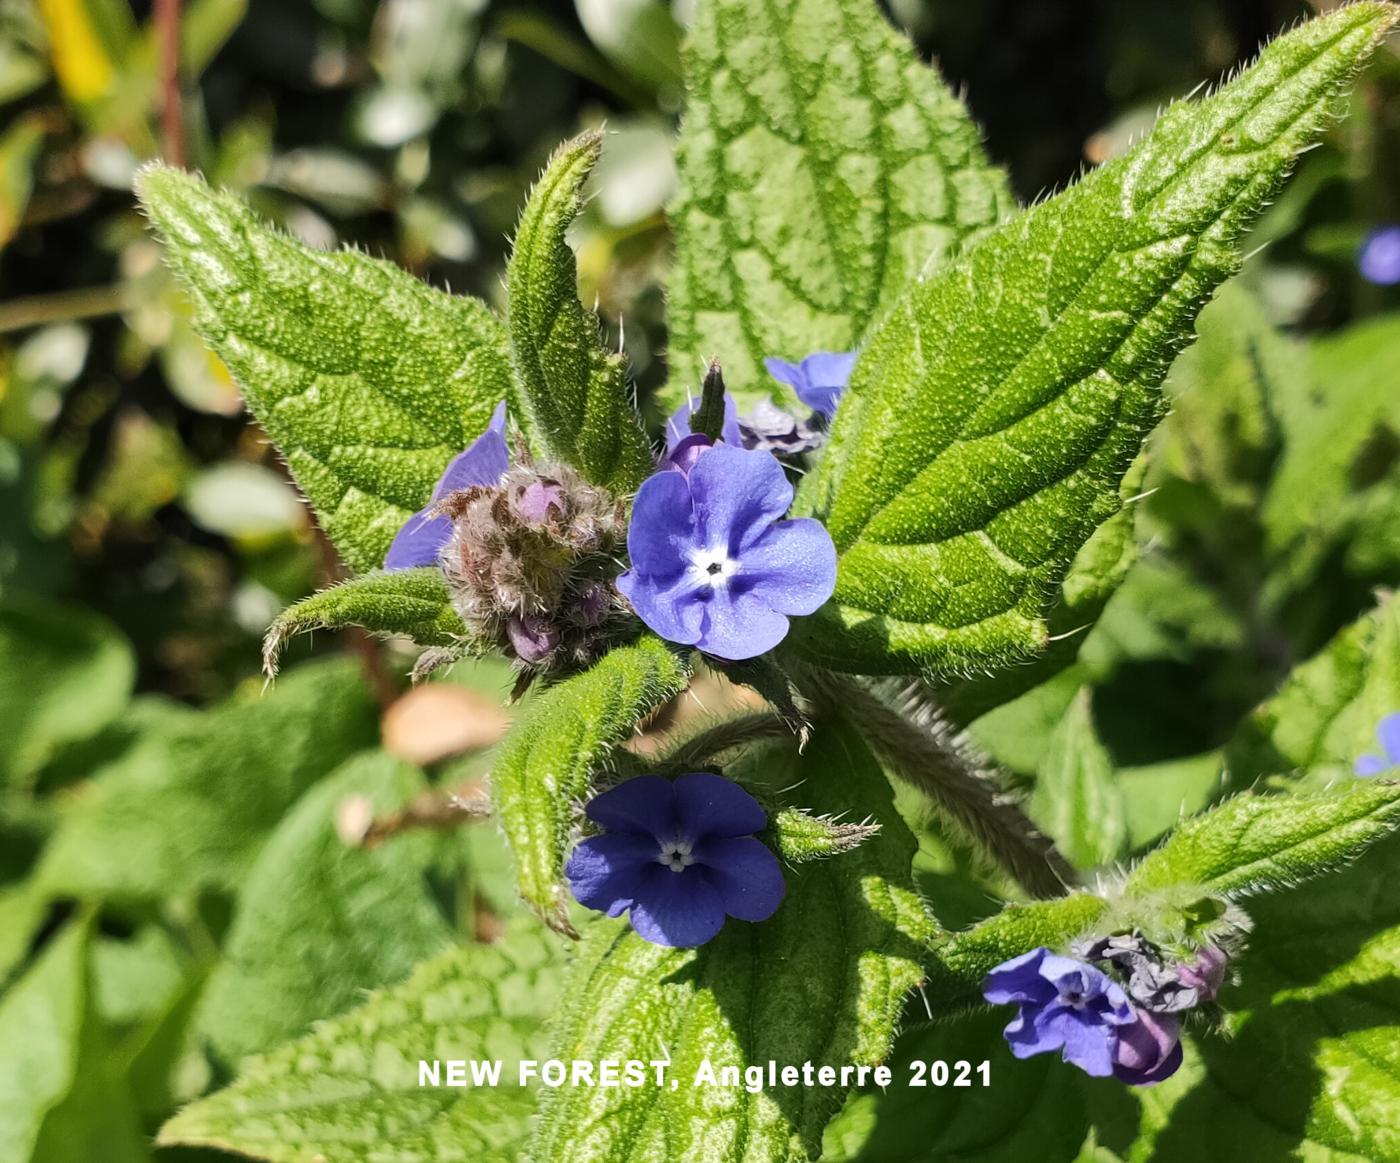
(1207, 973)
(533, 638)
(1148, 1049)
(1379, 260)
(1388, 735)
(684, 453)
(679, 856)
(538, 500)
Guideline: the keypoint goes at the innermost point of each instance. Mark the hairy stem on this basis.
(727, 735)
(916, 744)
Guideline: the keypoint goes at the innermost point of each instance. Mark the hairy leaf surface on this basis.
(572, 395)
(823, 167)
(823, 981)
(1076, 798)
(368, 380)
(990, 420)
(547, 763)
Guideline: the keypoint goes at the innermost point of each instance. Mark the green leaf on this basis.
(349, 1091)
(412, 602)
(824, 980)
(1254, 843)
(546, 764)
(187, 804)
(960, 961)
(368, 380)
(65, 673)
(1325, 715)
(319, 921)
(1076, 799)
(823, 168)
(991, 418)
(572, 395)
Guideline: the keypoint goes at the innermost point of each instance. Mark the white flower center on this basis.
(713, 567)
(676, 855)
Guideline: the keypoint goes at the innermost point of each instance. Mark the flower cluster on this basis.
(678, 856)
(529, 553)
(1129, 1028)
(818, 381)
(1388, 736)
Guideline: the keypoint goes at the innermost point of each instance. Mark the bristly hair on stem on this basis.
(909, 735)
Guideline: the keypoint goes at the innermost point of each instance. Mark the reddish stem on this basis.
(172, 119)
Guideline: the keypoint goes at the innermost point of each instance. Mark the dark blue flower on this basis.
(714, 565)
(1065, 1005)
(678, 426)
(1148, 1049)
(1388, 735)
(818, 380)
(1379, 260)
(679, 856)
(423, 535)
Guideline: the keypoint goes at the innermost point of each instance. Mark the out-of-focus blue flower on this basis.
(1148, 1050)
(1388, 736)
(714, 565)
(1065, 1005)
(423, 535)
(818, 380)
(678, 856)
(1379, 260)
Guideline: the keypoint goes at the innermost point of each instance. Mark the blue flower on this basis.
(818, 380)
(423, 535)
(679, 855)
(714, 565)
(1379, 260)
(1065, 1005)
(1148, 1050)
(1388, 735)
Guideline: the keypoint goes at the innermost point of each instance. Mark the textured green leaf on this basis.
(1252, 843)
(187, 804)
(572, 395)
(823, 980)
(991, 418)
(959, 961)
(1325, 715)
(1077, 800)
(368, 380)
(823, 167)
(64, 675)
(546, 764)
(318, 921)
(349, 1093)
(412, 602)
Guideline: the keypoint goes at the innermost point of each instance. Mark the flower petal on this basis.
(1087, 1043)
(680, 909)
(711, 806)
(419, 542)
(662, 529)
(827, 373)
(791, 567)
(603, 871)
(670, 607)
(483, 463)
(1371, 765)
(736, 494)
(1388, 733)
(736, 625)
(746, 874)
(644, 806)
(1018, 980)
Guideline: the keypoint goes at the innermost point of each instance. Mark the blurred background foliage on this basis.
(188, 871)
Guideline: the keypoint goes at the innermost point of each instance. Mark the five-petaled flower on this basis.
(1388, 736)
(714, 565)
(1379, 260)
(679, 856)
(423, 536)
(818, 380)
